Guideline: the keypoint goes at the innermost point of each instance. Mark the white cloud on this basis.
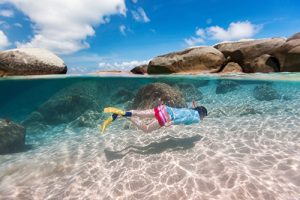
(6, 13)
(140, 15)
(235, 31)
(200, 32)
(127, 65)
(134, 1)
(123, 29)
(64, 25)
(192, 41)
(4, 25)
(198, 39)
(18, 25)
(3, 40)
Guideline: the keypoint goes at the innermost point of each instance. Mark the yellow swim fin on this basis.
(114, 110)
(105, 124)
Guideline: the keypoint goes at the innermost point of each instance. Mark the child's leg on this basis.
(138, 113)
(143, 113)
(154, 125)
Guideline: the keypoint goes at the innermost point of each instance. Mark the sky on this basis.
(93, 35)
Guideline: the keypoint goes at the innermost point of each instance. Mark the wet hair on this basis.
(202, 111)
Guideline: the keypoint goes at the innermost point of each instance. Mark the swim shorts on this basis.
(161, 115)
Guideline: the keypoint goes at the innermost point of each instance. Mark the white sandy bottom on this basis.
(238, 158)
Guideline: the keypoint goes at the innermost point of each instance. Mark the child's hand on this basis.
(170, 123)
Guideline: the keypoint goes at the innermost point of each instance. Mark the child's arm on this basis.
(154, 125)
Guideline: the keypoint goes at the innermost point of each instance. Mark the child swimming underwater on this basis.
(162, 116)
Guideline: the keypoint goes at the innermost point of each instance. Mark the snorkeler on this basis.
(162, 115)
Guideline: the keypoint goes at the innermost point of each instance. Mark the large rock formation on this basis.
(140, 69)
(289, 54)
(122, 95)
(232, 67)
(265, 64)
(244, 52)
(68, 104)
(194, 60)
(12, 137)
(189, 91)
(265, 92)
(226, 86)
(296, 36)
(30, 61)
(261, 55)
(148, 96)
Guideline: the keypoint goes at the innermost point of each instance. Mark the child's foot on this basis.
(114, 110)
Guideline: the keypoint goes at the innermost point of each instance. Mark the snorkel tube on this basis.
(194, 104)
(202, 111)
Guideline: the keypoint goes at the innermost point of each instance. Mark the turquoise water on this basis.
(247, 148)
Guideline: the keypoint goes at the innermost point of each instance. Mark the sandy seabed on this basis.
(254, 156)
(245, 159)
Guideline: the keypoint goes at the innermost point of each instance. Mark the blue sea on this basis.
(247, 147)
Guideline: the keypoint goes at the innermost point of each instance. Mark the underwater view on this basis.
(247, 147)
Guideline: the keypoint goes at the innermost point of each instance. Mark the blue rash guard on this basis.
(183, 115)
